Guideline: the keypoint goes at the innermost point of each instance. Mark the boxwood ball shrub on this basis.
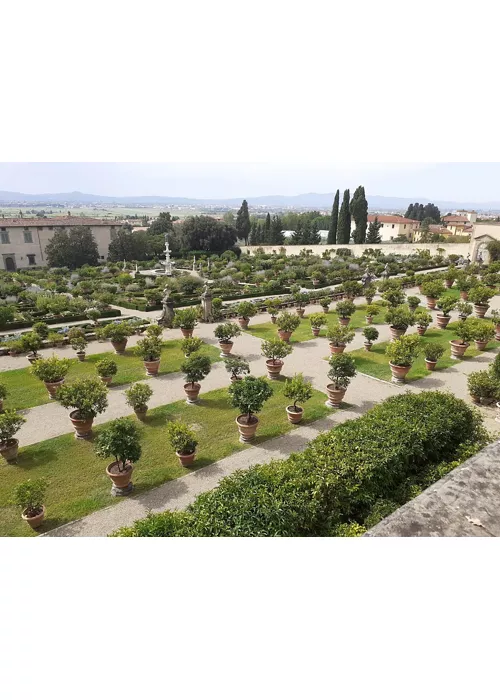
(402, 446)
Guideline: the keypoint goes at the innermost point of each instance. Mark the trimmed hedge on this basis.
(52, 320)
(341, 481)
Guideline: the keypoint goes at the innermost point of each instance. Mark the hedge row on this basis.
(340, 481)
(51, 320)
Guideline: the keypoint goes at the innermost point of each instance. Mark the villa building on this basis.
(392, 226)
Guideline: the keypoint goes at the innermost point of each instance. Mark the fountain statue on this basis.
(167, 263)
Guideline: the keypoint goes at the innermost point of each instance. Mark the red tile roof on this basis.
(391, 219)
(455, 219)
(59, 221)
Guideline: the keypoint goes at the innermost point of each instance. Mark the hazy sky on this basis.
(453, 181)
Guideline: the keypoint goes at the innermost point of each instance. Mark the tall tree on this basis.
(344, 225)
(359, 212)
(162, 225)
(243, 222)
(72, 249)
(267, 229)
(277, 235)
(205, 233)
(373, 235)
(332, 231)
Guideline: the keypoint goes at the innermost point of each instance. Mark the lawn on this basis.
(25, 390)
(376, 362)
(269, 331)
(78, 485)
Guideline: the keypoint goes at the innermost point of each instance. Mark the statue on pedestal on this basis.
(206, 303)
(167, 315)
(385, 273)
(368, 277)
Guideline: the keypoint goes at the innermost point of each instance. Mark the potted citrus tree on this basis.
(369, 291)
(301, 300)
(465, 332)
(342, 370)
(272, 309)
(184, 442)
(450, 276)
(402, 354)
(245, 311)
(482, 332)
(345, 310)
(423, 319)
(371, 311)
(394, 296)
(339, 336)
(106, 370)
(78, 342)
(225, 332)
(196, 368)
(413, 303)
(137, 396)
(464, 310)
(120, 438)
(297, 390)
(480, 296)
(186, 320)
(31, 343)
(10, 423)
(371, 334)
(432, 290)
(399, 318)
(236, 366)
(324, 302)
(52, 372)
(149, 349)
(118, 334)
(190, 345)
(445, 305)
(352, 289)
(317, 320)
(249, 396)
(433, 351)
(465, 283)
(87, 398)
(29, 496)
(495, 316)
(483, 387)
(275, 351)
(287, 323)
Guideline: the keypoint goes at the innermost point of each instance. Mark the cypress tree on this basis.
(359, 211)
(332, 231)
(374, 232)
(344, 225)
(243, 222)
(277, 236)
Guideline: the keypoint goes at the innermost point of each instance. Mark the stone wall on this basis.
(358, 249)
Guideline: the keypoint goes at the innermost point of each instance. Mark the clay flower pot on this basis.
(243, 322)
(235, 379)
(396, 332)
(369, 320)
(480, 310)
(119, 346)
(294, 416)
(122, 480)
(247, 430)
(325, 309)
(336, 349)
(399, 373)
(274, 368)
(431, 302)
(9, 450)
(300, 312)
(226, 348)
(285, 335)
(481, 344)
(187, 332)
(316, 332)
(368, 345)
(192, 391)
(81, 356)
(335, 396)
(430, 365)
(464, 295)
(152, 367)
(442, 321)
(475, 399)
(52, 387)
(458, 349)
(34, 521)
(186, 460)
(412, 308)
(448, 283)
(421, 330)
(32, 357)
(106, 380)
(83, 427)
(274, 319)
(141, 412)
(344, 321)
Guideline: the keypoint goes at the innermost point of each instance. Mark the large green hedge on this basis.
(353, 475)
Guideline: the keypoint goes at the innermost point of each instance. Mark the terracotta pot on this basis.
(141, 412)
(431, 302)
(243, 322)
(458, 349)
(187, 332)
(430, 365)
(464, 295)
(368, 346)
(9, 450)
(121, 480)
(335, 396)
(448, 283)
(192, 391)
(344, 321)
(294, 416)
(35, 520)
(325, 309)
(106, 380)
(81, 356)
(285, 335)
(442, 321)
(336, 349)
(274, 319)
(480, 310)
(369, 320)
(396, 332)
(475, 399)
(235, 379)
(481, 344)
(120, 346)
(497, 332)
(226, 349)
(300, 312)
(83, 428)
(412, 308)
(316, 332)
(274, 368)
(152, 367)
(186, 460)
(421, 330)
(247, 431)
(398, 373)
(52, 387)
(32, 357)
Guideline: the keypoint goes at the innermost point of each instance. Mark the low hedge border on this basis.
(16, 325)
(346, 480)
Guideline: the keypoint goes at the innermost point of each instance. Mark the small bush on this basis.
(298, 390)
(370, 333)
(433, 351)
(182, 438)
(138, 395)
(52, 369)
(249, 395)
(287, 322)
(404, 351)
(106, 367)
(29, 496)
(120, 438)
(191, 345)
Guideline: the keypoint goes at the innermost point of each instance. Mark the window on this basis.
(405, 225)
(5, 238)
(3, 228)
(31, 260)
(51, 228)
(28, 237)
(392, 225)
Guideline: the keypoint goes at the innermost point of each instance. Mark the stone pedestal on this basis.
(206, 304)
(126, 491)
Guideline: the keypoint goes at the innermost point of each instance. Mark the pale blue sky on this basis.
(453, 181)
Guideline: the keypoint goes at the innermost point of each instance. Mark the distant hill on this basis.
(311, 200)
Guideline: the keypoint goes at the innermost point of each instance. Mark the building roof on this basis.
(391, 219)
(436, 228)
(25, 222)
(456, 219)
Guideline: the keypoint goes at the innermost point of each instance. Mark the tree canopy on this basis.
(373, 235)
(359, 212)
(344, 224)
(72, 249)
(419, 212)
(332, 230)
(243, 222)
(206, 233)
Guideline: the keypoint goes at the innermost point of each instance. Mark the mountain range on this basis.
(311, 200)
